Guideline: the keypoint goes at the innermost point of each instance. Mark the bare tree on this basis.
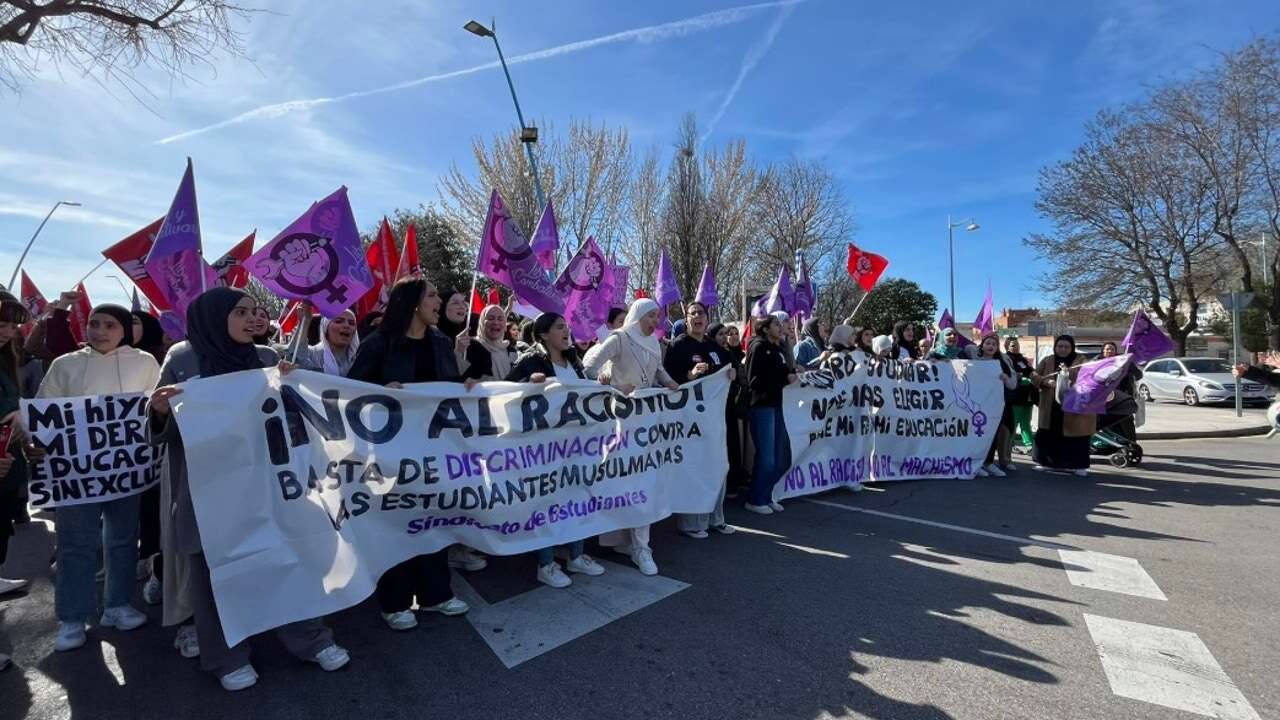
(640, 249)
(801, 209)
(113, 38)
(684, 214)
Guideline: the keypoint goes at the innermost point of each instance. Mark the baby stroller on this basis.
(1115, 436)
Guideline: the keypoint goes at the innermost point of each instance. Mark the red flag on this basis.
(746, 332)
(641, 293)
(230, 267)
(477, 302)
(80, 314)
(495, 297)
(129, 255)
(409, 265)
(34, 301)
(289, 318)
(865, 268)
(381, 257)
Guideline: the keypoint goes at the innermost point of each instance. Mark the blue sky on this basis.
(921, 109)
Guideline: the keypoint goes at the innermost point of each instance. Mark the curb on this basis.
(1194, 434)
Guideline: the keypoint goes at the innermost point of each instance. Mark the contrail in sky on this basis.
(749, 62)
(653, 33)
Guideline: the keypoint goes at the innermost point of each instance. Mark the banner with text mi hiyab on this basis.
(312, 485)
(857, 419)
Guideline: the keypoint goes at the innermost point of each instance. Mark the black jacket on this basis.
(537, 361)
(1026, 392)
(767, 371)
(382, 359)
(1261, 375)
(687, 351)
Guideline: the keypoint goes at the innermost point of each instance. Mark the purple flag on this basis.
(587, 288)
(781, 296)
(621, 278)
(1094, 383)
(175, 262)
(945, 322)
(805, 296)
(707, 294)
(666, 291)
(1145, 341)
(985, 323)
(546, 239)
(317, 258)
(506, 258)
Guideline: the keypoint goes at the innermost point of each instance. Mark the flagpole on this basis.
(470, 295)
(856, 308)
(94, 270)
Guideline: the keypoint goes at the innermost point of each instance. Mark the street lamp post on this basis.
(1266, 270)
(30, 242)
(528, 135)
(969, 226)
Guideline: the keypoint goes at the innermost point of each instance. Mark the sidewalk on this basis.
(1169, 421)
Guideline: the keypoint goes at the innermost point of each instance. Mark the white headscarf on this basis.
(332, 366)
(631, 326)
(500, 356)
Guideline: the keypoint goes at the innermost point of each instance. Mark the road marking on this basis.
(1166, 667)
(1113, 573)
(525, 626)
(945, 526)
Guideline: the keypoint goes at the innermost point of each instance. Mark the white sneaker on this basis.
(584, 564)
(464, 558)
(760, 509)
(1081, 473)
(452, 606)
(695, 534)
(143, 569)
(725, 529)
(186, 642)
(994, 470)
(551, 574)
(124, 617)
(70, 636)
(403, 620)
(855, 486)
(8, 586)
(153, 591)
(981, 472)
(241, 679)
(776, 507)
(643, 558)
(332, 658)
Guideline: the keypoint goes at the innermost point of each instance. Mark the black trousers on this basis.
(11, 507)
(149, 530)
(425, 577)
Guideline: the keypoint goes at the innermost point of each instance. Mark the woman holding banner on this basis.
(107, 364)
(220, 328)
(13, 465)
(490, 356)
(768, 372)
(630, 359)
(1001, 443)
(813, 341)
(336, 351)
(1062, 438)
(905, 346)
(554, 356)
(407, 348)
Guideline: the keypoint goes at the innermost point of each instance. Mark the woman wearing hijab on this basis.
(950, 347)
(926, 348)
(490, 355)
(107, 364)
(553, 356)
(882, 347)
(904, 341)
(220, 326)
(813, 340)
(739, 478)
(768, 372)
(408, 348)
(630, 359)
(148, 337)
(1062, 438)
(337, 349)
(1024, 396)
(1123, 424)
(13, 463)
(989, 350)
(842, 340)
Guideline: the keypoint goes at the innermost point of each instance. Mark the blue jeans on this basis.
(770, 438)
(80, 529)
(545, 555)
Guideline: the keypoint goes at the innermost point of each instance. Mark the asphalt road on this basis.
(951, 601)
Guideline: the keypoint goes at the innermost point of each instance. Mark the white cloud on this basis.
(752, 58)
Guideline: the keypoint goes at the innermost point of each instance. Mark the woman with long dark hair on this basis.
(13, 466)
(905, 346)
(1062, 438)
(768, 372)
(407, 348)
(220, 330)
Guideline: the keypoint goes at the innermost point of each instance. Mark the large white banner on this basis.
(96, 449)
(308, 487)
(890, 420)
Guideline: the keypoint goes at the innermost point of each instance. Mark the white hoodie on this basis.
(89, 372)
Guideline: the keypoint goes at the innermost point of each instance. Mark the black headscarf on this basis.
(207, 334)
(1069, 360)
(450, 328)
(812, 328)
(714, 330)
(122, 316)
(152, 339)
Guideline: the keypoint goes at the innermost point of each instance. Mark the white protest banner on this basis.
(888, 420)
(96, 449)
(308, 487)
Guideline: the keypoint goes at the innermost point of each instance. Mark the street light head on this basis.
(477, 29)
(972, 226)
(529, 135)
(70, 204)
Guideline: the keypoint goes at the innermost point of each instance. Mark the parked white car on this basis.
(1196, 380)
